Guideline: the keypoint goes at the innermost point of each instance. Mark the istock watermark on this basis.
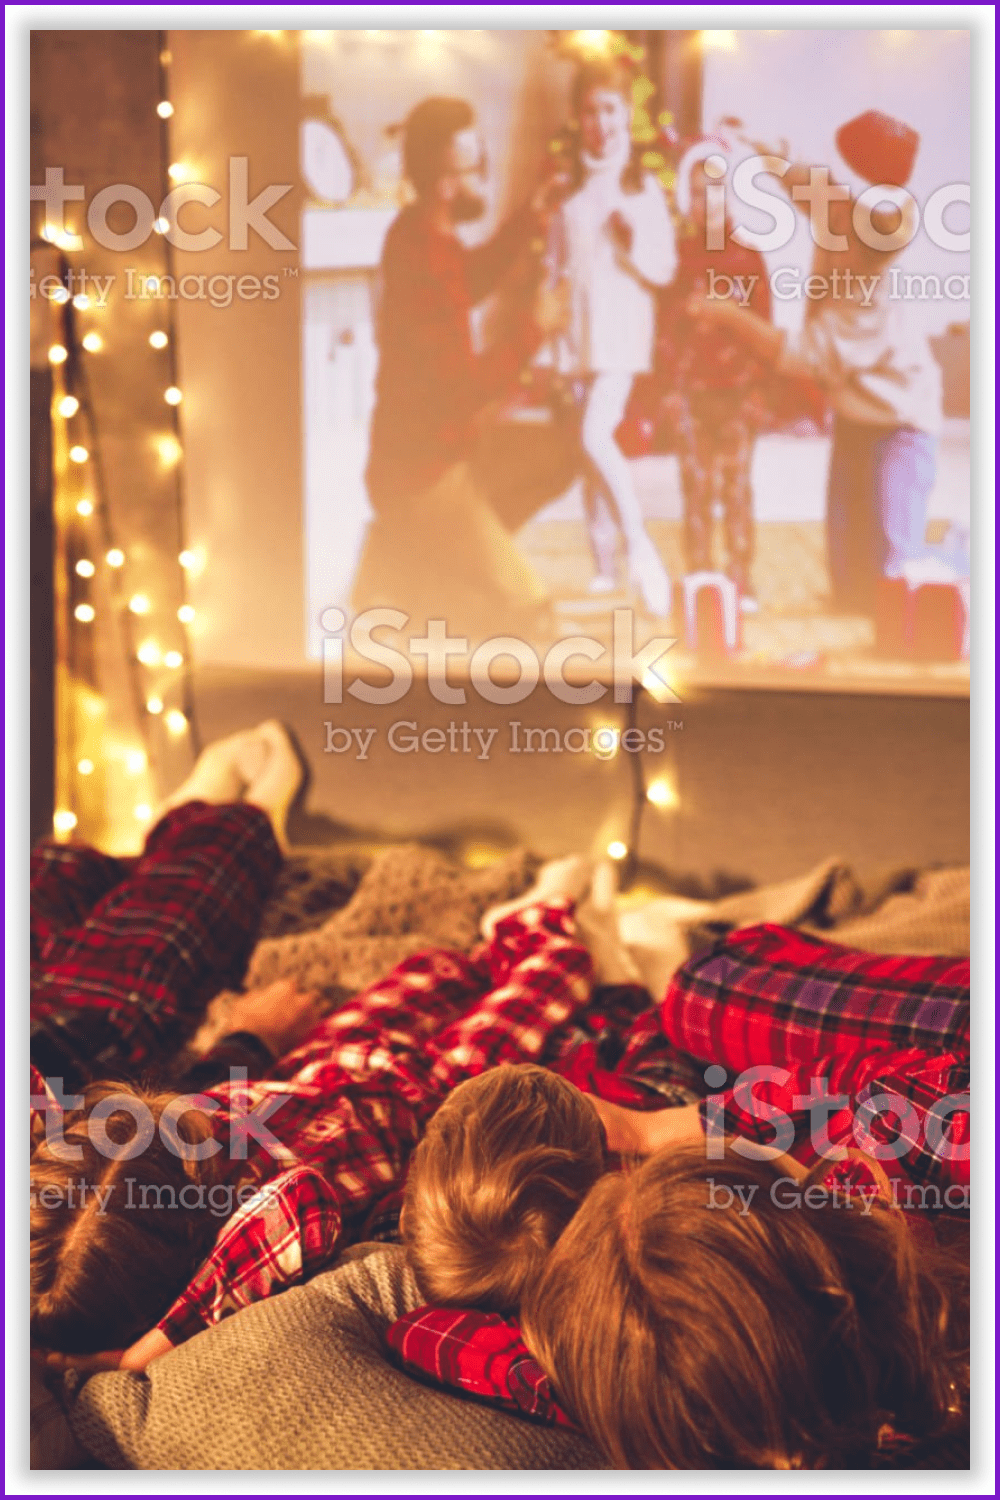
(624, 666)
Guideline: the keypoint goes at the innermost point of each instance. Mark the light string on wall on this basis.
(92, 562)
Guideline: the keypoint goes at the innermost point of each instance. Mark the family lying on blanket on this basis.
(663, 1278)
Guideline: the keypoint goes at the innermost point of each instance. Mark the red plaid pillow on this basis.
(480, 1354)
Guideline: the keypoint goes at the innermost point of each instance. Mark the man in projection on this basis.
(437, 548)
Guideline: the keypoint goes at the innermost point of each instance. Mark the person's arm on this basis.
(643, 235)
(758, 334)
(265, 1024)
(487, 264)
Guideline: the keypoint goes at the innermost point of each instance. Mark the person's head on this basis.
(602, 104)
(693, 1315)
(505, 1163)
(114, 1235)
(443, 157)
(694, 178)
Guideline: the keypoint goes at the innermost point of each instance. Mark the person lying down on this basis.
(129, 1188)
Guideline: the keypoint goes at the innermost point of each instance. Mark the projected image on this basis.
(602, 321)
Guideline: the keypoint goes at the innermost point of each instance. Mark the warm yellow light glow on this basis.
(175, 721)
(85, 568)
(63, 821)
(178, 172)
(166, 58)
(661, 793)
(164, 109)
(188, 559)
(592, 42)
(169, 449)
(85, 767)
(173, 659)
(84, 613)
(617, 850)
(151, 286)
(57, 355)
(114, 557)
(78, 454)
(84, 508)
(92, 342)
(186, 614)
(149, 654)
(143, 812)
(172, 395)
(135, 762)
(81, 301)
(719, 41)
(158, 339)
(154, 705)
(68, 406)
(161, 225)
(59, 295)
(139, 604)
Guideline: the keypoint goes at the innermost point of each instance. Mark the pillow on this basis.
(479, 1353)
(303, 1381)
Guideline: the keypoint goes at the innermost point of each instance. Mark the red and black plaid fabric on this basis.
(880, 1029)
(480, 1354)
(351, 1101)
(125, 955)
(431, 384)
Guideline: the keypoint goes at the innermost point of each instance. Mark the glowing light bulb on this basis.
(719, 41)
(175, 721)
(135, 762)
(149, 654)
(57, 355)
(617, 850)
(114, 557)
(143, 812)
(68, 406)
(81, 301)
(661, 794)
(161, 225)
(178, 172)
(169, 449)
(84, 613)
(164, 109)
(59, 295)
(186, 614)
(166, 58)
(154, 705)
(187, 559)
(63, 821)
(172, 395)
(158, 339)
(85, 568)
(151, 286)
(85, 767)
(139, 604)
(79, 454)
(173, 659)
(92, 342)
(84, 508)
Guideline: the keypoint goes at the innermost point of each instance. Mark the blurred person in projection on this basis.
(616, 246)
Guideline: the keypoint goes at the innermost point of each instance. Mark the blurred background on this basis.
(201, 403)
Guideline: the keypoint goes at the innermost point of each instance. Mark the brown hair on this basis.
(775, 1337)
(114, 1239)
(505, 1163)
(606, 73)
(427, 132)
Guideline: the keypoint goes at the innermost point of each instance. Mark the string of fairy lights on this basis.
(96, 567)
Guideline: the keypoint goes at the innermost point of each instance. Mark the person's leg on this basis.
(603, 412)
(696, 488)
(67, 881)
(259, 766)
(121, 989)
(602, 533)
(905, 465)
(735, 448)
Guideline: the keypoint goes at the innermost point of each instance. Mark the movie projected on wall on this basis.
(665, 329)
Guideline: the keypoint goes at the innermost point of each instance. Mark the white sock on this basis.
(560, 877)
(274, 786)
(217, 775)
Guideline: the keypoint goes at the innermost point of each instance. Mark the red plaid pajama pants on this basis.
(125, 954)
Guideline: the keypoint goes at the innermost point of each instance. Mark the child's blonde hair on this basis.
(505, 1163)
(692, 1316)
